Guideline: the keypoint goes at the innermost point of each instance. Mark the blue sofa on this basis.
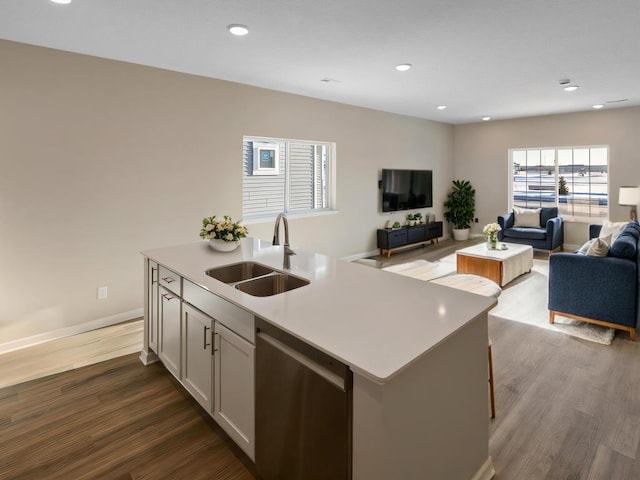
(548, 236)
(600, 290)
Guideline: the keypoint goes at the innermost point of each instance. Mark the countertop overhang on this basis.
(376, 322)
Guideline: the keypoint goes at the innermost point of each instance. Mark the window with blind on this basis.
(575, 179)
(297, 182)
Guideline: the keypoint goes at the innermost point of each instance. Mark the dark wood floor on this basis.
(566, 409)
(114, 420)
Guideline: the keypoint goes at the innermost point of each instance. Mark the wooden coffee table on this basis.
(501, 266)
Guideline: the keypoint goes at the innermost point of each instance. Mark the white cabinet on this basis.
(234, 387)
(207, 343)
(152, 307)
(197, 355)
(169, 340)
(170, 280)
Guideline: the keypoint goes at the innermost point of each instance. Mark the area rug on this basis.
(525, 299)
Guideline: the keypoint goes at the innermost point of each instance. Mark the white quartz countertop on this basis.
(376, 322)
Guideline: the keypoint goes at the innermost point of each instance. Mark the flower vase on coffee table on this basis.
(491, 231)
(492, 241)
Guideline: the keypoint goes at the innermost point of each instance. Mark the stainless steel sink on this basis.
(256, 279)
(239, 272)
(271, 284)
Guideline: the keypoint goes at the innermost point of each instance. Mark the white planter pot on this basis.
(461, 233)
(223, 246)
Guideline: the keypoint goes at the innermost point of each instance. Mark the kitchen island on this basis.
(418, 353)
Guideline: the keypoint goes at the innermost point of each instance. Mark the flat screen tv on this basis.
(406, 189)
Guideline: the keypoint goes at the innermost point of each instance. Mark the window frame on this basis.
(258, 149)
(557, 174)
(330, 179)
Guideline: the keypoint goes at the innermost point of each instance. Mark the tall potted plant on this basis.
(461, 208)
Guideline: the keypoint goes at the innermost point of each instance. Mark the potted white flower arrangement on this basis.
(223, 235)
(491, 231)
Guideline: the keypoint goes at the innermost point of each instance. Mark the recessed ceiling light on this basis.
(237, 29)
(598, 106)
(62, 2)
(486, 119)
(441, 107)
(403, 67)
(571, 88)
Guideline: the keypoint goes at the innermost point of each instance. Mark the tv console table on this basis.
(390, 240)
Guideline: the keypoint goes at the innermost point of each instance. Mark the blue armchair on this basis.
(548, 235)
(600, 290)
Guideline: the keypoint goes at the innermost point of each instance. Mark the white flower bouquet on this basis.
(491, 229)
(225, 229)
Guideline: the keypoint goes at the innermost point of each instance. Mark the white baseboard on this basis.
(69, 331)
(358, 256)
(486, 472)
(373, 253)
(147, 357)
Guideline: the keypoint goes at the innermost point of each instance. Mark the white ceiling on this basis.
(501, 58)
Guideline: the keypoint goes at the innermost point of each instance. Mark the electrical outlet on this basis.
(476, 220)
(103, 292)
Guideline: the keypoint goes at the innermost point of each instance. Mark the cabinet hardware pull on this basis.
(168, 279)
(213, 340)
(154, 271)
(167, 297)
(205, 344)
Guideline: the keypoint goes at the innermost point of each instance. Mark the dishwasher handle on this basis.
(333, 378)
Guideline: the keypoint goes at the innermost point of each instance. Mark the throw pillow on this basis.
(526, 217)
(599, 247)
(613, 229)
(583, 249)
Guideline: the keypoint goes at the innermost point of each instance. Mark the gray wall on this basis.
(101, 159)
(481, 155)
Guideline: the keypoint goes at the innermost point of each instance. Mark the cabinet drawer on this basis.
(170, 280)
(234, 318)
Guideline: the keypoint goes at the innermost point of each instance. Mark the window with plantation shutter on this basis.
(300, 185)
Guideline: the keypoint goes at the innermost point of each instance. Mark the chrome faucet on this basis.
(276, 239)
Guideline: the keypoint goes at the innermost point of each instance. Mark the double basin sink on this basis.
(256, 279)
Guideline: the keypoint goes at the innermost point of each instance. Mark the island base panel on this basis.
(412, 427)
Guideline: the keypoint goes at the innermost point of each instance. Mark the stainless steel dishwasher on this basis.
(303, 410)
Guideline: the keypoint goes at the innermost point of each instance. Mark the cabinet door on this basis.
(152, 315)
(434, 230)
(234, 387)
(398, 238)
(197, 355)
(416, 234)
(169, 340)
